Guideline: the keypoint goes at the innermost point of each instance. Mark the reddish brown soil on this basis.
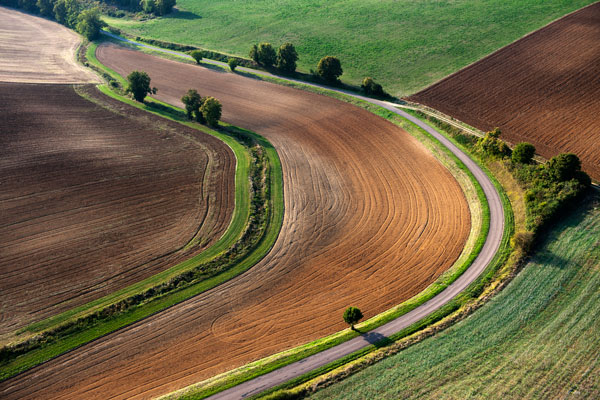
(93, 200)
(543, 89)
(371, 218)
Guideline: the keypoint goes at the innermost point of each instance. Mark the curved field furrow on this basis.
(371, 218)
(542, 89)
(93, 200)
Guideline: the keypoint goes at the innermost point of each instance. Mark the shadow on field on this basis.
(183, 15)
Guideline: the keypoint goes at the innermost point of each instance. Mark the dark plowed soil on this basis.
(93, 200)
(543, 89)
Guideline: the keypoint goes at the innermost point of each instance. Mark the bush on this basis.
(492, 146)
(371, 88)
(89, 24)
(211, 110)
(523, 153)
(233, 64)
(330, 69)
(139, 85)
(287, 57)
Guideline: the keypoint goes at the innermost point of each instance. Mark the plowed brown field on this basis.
(33, 49)
(93, 200)
(543, 89)
(371, 218)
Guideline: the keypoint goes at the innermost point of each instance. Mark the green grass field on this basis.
(404, 44)
(537, 339)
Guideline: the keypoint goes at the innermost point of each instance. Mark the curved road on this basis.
(488, 252)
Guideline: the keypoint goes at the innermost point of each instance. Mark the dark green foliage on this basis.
(264, 54)
(352, 315)
(564, 167)
(29, 6)
(233, 64)
(492, 146)
(211, 110)
(287, 57)
(192, 101)
(163, 7)
(330, 69)
(46, 7)
(371, 88)
(66, 12)
(254, 53)
(89, 24)
(139, 85)
(197, 55)
(523, 153)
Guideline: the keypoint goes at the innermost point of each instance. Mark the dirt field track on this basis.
(371, 219)
(33, 49)
(92, 200)
(543, 89)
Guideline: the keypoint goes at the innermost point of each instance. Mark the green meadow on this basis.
(403, 44)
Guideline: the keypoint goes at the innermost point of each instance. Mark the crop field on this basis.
(542, 89)
(537, 339)
(36, 50)
(94, 199)
(404, 44)
(371, 218)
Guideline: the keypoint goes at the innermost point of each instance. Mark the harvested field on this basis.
(95, 199)
(542, 89)
(371, 218)
(35, 50)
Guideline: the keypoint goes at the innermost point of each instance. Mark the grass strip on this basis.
(274, 191)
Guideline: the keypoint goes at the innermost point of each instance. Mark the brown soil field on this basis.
(95, 199)
(371, 218)
(542, 89)
(33, 49)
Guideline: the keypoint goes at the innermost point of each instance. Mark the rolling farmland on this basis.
(357, 229)
(96, 199)
(542, 89)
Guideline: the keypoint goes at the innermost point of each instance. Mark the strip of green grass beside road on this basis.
(239, 220)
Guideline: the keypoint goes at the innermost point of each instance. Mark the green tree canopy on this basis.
(370, 87)
(211, 110)
(265, 54)
(197, 55)
(287, 57)
(523, 153)
(330, 69)
(192, 101)
(352, 315)
(564, 167)
(233, 63)
(66, 12)
(139, 85)
(89, 23)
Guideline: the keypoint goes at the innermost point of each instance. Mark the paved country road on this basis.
(488, 252)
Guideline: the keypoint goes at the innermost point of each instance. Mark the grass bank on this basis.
(538, 338)
(71, 329)
(425, 40)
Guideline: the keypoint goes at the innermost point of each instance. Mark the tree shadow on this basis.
(182, 15)
(376, 339)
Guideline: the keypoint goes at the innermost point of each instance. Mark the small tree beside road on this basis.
(351, 316)
(330, 69)
(287, 57)
(211, 110)
(139, 85)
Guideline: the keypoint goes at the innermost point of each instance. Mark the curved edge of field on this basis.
(238, 222)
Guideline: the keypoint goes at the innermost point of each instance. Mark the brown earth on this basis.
(93, 200)
(371, 218)
(542, 89)
(33, 49)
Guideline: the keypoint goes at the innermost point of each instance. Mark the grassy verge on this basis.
(536, 339)
(425, 40)
(80, 331)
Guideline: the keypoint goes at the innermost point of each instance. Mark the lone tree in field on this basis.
(330, 69)
(193, 101)
(523, 153)
(287, 57)
(351, 316)
(211, 110)
(89, 23)
(197, 55)
(139, 85)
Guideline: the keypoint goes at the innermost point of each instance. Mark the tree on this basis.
(266, 54)
(254, 53)
(330, 69)
(352, 315)
(66, 12)
(491, 144)
(46, 7)
(29, 6)
(233, 64)
(139, 85)
(89, 24)
(192, 101)
(211, 110)
(197, 55)
(564, 167)
(163, 7)
(287, 57)
(370, 87)
(523, 153)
